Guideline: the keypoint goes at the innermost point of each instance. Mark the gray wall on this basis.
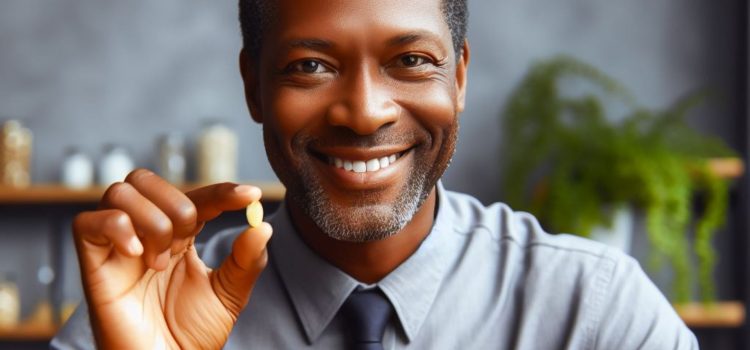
(658, 49)
(89, 72)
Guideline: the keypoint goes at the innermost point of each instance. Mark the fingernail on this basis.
(245, 189)
(135, 247)
(162, 260)
(268, 227)
(268, 231)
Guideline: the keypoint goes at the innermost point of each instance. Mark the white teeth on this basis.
(384, 162)
(373, 165)
(360, 166)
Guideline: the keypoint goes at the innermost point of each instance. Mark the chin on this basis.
(363, 217)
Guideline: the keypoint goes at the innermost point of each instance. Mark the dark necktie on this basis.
(367, 313)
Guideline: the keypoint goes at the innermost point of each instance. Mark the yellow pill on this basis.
(254, 213)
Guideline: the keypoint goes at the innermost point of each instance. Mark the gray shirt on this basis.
(484, 278)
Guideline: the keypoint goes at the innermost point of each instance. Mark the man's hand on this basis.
(145, 286)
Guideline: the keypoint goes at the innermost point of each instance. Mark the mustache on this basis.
(345, 137)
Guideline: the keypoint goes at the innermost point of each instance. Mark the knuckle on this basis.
(186, 215)
(100, 222)
(115, 220)
(162, 227)
(138, 175)
(116, 191)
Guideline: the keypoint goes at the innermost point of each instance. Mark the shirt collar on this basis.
(318, 289)
(413, 286)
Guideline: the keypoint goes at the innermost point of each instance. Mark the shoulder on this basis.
(521, 231)
(529, 260)
(546, 268)
(562, 278)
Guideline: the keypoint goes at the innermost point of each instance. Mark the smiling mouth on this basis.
(359, 165)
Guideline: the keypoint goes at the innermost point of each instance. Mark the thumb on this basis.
(233, 281)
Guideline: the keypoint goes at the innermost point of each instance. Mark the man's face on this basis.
(360, 102)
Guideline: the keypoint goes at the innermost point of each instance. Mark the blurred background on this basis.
(98, 86)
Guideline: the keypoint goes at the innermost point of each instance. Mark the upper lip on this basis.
(361, 153)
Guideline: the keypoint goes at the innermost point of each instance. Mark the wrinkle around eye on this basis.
(425, 71)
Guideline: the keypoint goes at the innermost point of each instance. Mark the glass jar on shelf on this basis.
(15, 154)
(10, 301)
(172, 162)
(217, 153)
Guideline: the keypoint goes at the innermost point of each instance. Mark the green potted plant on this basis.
(570, 164)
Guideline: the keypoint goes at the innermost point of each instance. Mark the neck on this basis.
(368, 262)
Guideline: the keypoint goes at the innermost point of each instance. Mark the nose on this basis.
(366, 104)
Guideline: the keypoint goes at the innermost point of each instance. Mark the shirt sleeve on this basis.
(634, 314)
(76, 333)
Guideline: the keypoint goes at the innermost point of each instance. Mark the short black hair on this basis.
(255, 16)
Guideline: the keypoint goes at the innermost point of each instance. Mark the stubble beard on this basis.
(367, 220)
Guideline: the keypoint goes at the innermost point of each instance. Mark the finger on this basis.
(210, 201)
(233, 281)
(97, 232)
(152, 225)
(175, 204)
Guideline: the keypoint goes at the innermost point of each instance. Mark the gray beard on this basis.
(365, 221)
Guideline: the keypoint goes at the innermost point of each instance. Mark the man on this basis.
(359, 102)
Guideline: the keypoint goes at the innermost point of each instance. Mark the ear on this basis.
(461, 75)
(250, 80)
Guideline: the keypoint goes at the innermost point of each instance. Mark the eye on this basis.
(308, 66)
(413, 60)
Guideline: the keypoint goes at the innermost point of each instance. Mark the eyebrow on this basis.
(312, 44)
(321, 45)
(411, 37)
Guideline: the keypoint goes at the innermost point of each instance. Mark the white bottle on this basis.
(217, 154)
(114, 165)
(171, 162)
(77, 170)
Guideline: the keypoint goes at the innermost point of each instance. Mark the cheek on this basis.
(434, 107)
(293, 112)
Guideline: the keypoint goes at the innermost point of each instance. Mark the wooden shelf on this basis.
(727, 314)
(28, 332)
(57, 194)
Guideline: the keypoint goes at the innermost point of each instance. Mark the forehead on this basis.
(357, 20)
